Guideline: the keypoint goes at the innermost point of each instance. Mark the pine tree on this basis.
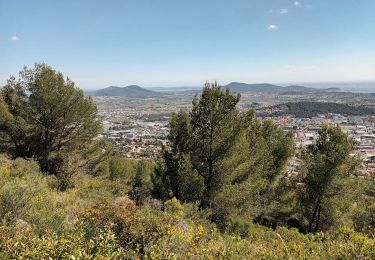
(175, 175)
(214, 122)
(328, 178)
(227, 160)
(255, 179)
(198, 141)
(141, 185)
(48, 116)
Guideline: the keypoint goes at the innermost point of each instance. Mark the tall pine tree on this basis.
(328, 171)
(47, 116)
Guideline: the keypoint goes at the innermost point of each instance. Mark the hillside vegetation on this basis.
(221, 189)
(308, 109)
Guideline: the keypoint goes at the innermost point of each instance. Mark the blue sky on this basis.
(185, 43)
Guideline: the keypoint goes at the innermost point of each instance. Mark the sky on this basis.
(162, 43)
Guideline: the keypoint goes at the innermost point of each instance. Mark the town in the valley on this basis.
(139, 126)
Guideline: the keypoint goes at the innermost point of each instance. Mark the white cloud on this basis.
(270, 11)
(296, 3)
(273, 27)
(14, 38)
(283, 11)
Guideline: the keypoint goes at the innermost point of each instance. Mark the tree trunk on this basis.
(209, 179)
(46, 150)
(314, 221)
(317, 220)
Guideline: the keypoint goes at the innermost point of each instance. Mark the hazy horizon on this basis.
(352, 86)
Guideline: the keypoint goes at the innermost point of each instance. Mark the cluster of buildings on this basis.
(140, 130)
(136, 134)
(360, 128)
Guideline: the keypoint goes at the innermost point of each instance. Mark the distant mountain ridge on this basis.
(132, 91)
(135, 91)
(270, 88)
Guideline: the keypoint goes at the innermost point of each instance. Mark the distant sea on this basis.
(358, 87)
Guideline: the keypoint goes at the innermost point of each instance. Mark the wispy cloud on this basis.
(302, 5)
(14, 38)
(273, 27)
(283, 11)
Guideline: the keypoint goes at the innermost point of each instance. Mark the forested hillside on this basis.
(221, 189)
(308, 109)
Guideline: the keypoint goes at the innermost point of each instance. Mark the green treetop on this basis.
(46, 116)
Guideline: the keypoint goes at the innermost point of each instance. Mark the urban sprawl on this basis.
(140, 127)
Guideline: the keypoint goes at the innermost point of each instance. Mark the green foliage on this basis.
(328, 179)
(215, 124)
(255, 180)
(229, 161)
(310, 109)
(199, 140)
(71, 245)
(364, 213)
(174, 208)
(175, 174)
(20, 182)
(191, 185)
(27, 197)
(122, 230)
(141, 184)
(223, 172)
(88, 222)
(46, 117)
